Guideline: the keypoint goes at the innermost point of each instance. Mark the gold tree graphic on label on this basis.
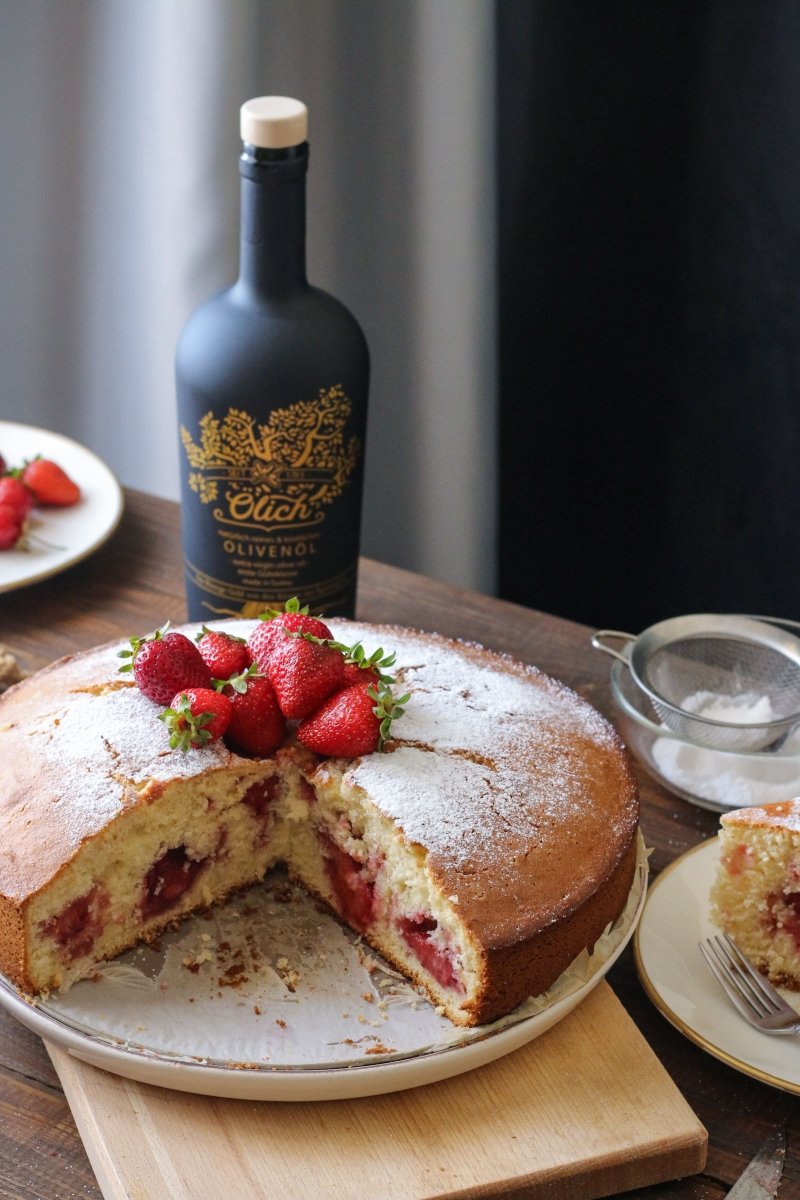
(300, 454)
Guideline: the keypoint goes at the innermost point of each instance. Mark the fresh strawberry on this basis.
(223, 653)
(357, 676)
(257, 723)
(196, 717)
(50, 483)
(14, 492)
(356, 720)
(164, 664)
(303, 673)
(360, 669)
(272, 623)
(12, 526)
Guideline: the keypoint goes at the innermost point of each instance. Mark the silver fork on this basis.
(752, 995)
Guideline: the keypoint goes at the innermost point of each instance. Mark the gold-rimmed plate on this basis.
(677, 980)
(60, 537)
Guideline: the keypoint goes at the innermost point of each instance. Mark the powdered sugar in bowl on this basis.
(713, 778)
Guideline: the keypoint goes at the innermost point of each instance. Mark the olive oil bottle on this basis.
(272, 377)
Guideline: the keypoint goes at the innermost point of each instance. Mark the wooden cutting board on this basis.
(585, 1110)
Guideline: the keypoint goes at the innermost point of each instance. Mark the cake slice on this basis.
(756, 893)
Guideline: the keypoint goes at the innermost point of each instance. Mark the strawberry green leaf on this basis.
(137, 643)
(232, 637)
(291, 606)
(237, 682)
(186, 729)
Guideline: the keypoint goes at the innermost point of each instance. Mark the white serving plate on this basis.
(675, 976)
(267, 998)
(61, 537)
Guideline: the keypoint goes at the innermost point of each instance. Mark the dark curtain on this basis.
(649, 290)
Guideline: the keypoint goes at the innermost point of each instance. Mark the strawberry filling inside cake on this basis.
(479, 844)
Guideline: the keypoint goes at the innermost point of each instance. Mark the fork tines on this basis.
(753, 995)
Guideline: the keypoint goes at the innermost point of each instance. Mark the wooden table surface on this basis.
(134, 584)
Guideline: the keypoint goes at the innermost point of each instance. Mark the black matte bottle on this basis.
(272, 378)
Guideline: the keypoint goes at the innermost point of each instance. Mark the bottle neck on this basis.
(272, 259)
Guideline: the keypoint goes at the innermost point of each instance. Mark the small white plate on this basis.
(677, 980)
(71, 534)
(267, 998)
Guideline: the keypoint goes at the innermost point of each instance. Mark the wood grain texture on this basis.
(561, 1118)
(133, 584)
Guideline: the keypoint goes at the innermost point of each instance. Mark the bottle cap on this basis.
(274, 122)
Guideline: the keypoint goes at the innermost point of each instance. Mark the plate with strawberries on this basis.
(58, 504)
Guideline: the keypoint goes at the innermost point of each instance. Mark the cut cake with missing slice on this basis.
(494, 842)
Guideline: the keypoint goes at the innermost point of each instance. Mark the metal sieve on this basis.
(722, 681)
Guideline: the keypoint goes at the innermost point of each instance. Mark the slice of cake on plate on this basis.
(756, 893)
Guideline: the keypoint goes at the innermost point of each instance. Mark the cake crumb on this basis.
(279, 1021)
(368, 997)
(193, 963)
(10, 672)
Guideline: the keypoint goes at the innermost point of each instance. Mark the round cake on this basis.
(492, 841)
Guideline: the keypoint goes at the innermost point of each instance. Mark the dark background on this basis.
(649, 290)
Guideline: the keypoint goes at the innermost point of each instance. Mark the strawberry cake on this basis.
(756, 893)
(491, 841)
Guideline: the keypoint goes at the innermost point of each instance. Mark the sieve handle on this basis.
(616, 635)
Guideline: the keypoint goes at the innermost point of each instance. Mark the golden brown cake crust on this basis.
(531, 966)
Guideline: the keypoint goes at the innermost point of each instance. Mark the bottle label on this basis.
(267, 490)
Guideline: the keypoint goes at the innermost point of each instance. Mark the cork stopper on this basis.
(274, 122)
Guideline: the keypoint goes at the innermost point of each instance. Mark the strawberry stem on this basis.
(238, 682)
(387, 709)
(186, 729)
(232, 637)
(137, 643)
(377, 661)
(291, 606)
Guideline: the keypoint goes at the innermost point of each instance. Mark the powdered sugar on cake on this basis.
(116, 733)
(784, 814)
(481, 759)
